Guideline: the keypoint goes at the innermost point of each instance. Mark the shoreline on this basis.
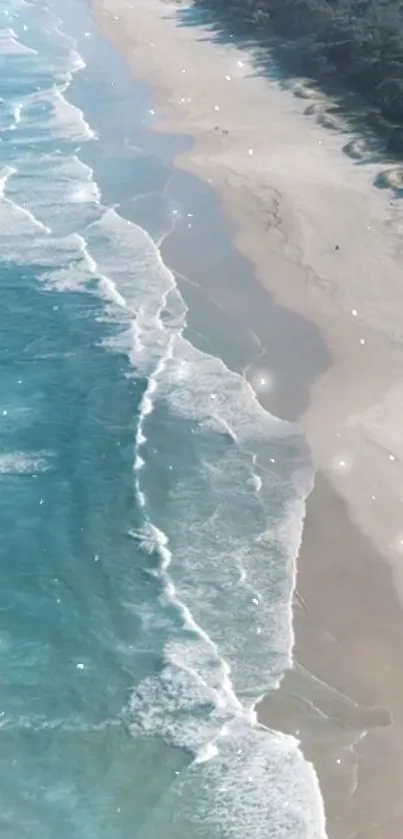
(270, 233)
(292, 201)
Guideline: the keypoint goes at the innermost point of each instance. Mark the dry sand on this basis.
(284, 178)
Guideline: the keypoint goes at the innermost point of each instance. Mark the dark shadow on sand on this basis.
(375, 139)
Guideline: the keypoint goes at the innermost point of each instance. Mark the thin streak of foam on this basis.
(5, 174)
(10, 45)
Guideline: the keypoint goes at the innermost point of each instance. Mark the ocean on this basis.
(150, 509)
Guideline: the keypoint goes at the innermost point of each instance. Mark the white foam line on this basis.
(59, 94)
(5, 174)
(17, 110)
(159, 541)
(146, 408)
(153, 539)
(77, 62)
(107, 286)
(18, 48)
(89, 178)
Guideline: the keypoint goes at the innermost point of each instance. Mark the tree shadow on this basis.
(375, 139)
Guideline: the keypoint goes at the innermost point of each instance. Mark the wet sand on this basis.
(349, 635)
(329, 326)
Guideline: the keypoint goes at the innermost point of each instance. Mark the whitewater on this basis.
(152, 510)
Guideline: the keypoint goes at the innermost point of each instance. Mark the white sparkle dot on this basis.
(250, 152)
(216, 108)
(80, 666)
(5, 413)
(391, 457)
(213, 395)
(354, 313)
(373, 497)
(228, 78)
(362, 341)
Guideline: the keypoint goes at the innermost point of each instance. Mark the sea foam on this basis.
(218, 546)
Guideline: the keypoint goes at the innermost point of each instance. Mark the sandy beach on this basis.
(326, 244)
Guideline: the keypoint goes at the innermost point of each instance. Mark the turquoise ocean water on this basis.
(150, 510)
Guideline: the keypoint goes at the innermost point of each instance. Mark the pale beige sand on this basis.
(284, 179)
(295, 196)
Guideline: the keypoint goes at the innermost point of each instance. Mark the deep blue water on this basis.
(150, 510)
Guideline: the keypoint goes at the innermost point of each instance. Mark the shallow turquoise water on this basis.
(150, 509)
